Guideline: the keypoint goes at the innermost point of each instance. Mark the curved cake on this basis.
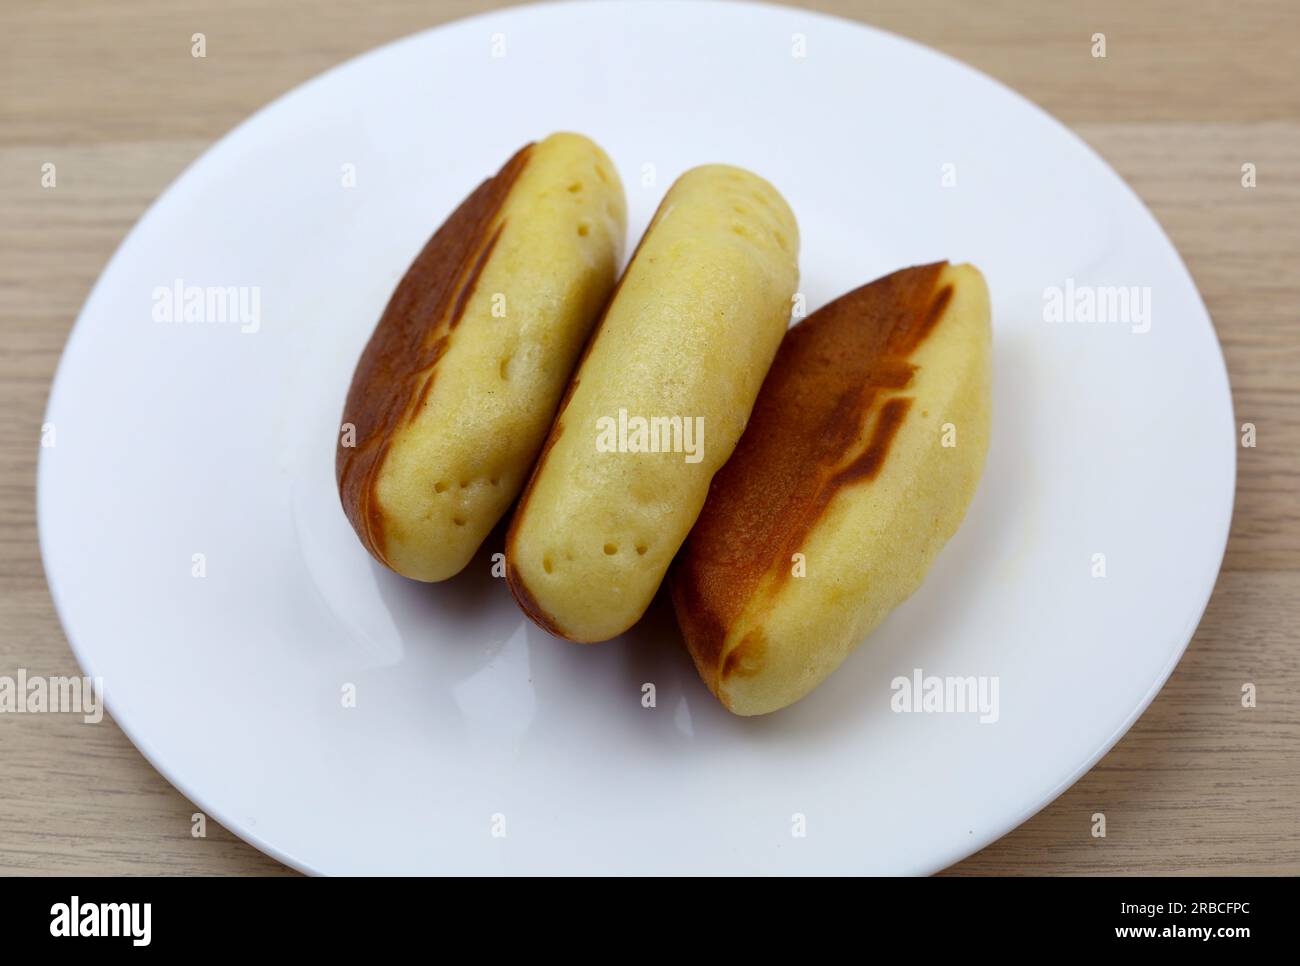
(865, 446)
(657, 405)
(454, 394)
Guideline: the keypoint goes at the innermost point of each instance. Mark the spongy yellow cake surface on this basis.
(689, 336)
(805, 546)
(534, 283)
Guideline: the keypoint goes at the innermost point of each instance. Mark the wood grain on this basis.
(110, 93)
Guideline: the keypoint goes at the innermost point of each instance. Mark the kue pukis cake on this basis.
(657, 404)
(455, 392)
(864, 449)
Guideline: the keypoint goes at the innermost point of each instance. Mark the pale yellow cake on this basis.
(683, 348)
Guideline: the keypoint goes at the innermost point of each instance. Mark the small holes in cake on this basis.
(495, 481)
(459, 521)
(547, 565)
(440, 487)
(584, 227)
(504, 369)
(641, 549)
(602, 174)
(611, 549)
(741, 230)
(575, 187)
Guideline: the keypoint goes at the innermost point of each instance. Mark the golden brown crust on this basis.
(824, 419)
(518, 588)
(528, 603)
(399, 364)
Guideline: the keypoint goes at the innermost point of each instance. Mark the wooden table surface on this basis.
(1185, 96)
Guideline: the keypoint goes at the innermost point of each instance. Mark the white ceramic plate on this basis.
(177, 439)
